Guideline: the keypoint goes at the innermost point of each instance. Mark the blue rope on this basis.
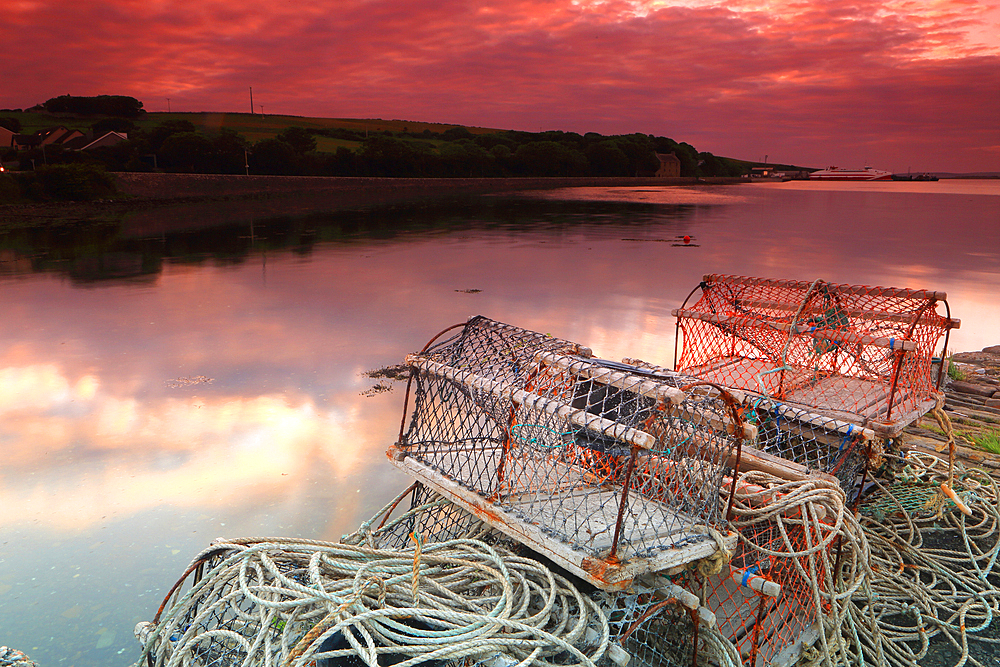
(532, 440)
(847, 436)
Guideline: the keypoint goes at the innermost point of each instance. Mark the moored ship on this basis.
(845, 174)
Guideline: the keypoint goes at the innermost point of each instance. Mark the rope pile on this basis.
(911, 572)
(935, 560)
(905, 570)
(277, 602)
(802, 535)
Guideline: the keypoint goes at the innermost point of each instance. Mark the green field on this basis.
(253, 127)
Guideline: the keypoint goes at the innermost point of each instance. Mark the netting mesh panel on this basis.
(856, 350)
(434, 519)
(558, 440)
(655, 630)
(819, 442)
(759, 625)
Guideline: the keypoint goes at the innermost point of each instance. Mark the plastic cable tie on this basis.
(843, 441)
(749, 572)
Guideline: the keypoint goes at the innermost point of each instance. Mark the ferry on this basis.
(844, 174)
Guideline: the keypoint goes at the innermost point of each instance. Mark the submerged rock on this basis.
(11, 657)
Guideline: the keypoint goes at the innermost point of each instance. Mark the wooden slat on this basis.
(850, 312)
(754, 459)
(891, 343)
(835, 287)
(839, 392)
(528, 399)
(791, 653)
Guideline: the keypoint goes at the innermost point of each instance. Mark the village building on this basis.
(670, 165)
(72, 140)
(6, 137)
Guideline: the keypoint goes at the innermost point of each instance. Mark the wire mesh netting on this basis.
(863, 353)
(604, 457)
(817, 441)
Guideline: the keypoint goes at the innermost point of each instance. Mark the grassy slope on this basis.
(253, 127)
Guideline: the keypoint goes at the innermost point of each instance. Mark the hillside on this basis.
(256, 127)
(245, 144)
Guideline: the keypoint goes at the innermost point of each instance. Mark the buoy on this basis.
(687, 239)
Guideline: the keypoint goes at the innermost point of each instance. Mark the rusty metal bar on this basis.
(694, 650)
(756, 630)
(613, 556)
(901, 354)
(738, 432)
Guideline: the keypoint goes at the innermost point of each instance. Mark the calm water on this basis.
(161, 388)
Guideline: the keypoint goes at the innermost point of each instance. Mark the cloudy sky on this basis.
(895, 83)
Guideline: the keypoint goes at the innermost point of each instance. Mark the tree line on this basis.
(176, 146)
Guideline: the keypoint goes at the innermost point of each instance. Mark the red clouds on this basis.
(898, 84)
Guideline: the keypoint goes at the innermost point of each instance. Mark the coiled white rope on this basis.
(274, 602)
(935, 567)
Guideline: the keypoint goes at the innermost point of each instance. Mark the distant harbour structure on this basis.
(846, 174)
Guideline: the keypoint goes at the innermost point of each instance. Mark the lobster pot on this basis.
(646, 620)
(595, 464)
(862, 354)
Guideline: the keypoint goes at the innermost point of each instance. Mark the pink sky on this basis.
(895, 83)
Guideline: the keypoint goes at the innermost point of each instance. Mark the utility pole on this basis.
(251, 100)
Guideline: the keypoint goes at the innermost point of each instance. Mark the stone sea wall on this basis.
(972, 405)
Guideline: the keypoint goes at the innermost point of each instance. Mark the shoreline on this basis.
(162, 186)
(272, 195)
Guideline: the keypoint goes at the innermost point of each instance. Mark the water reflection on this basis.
(209, 379)
(224, 233)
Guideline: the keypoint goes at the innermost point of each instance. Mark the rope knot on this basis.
(712, 565)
